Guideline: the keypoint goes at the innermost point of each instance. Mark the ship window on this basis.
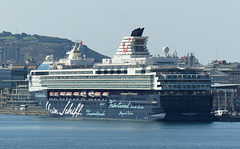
(138, 48)
(124, 71)
(140, 71)
(139, 41)
(42, 73)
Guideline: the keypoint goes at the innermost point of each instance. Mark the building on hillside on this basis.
(5, 74)
(222, 72)
(14, 89)
(225, 79)
(20, 96)
(226, 97)
(19, 73)
(11, 54)
(10, 73)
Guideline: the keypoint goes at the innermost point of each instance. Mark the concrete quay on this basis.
(29, 111)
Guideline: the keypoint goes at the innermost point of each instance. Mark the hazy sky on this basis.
(209, 28)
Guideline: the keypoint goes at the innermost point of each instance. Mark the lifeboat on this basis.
(76, 94)
(91, 94)
(51, 93)
(69, 94)
(97, 94)
(83, 94)
(105, 94)
(62, 93)
(56, 94)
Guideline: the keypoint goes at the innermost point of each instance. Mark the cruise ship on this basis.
(132, 85)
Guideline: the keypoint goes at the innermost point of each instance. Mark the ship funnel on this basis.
(137, 32)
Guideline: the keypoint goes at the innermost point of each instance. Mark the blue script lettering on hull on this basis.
(68, 109)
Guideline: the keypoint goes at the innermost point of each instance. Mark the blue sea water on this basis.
(44, 132)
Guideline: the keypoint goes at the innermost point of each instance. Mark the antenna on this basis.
(216, 54)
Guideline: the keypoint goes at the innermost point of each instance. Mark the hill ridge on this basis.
(37, 47)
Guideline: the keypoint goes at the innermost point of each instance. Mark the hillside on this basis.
(36, 47)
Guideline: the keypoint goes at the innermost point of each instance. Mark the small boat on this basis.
(62, 93)
(91, 93)
(23, 107)
(97, 94)
(56, 94)
(76, 94)
(69, 94)
(153, 101)
(105, 94)
(51, 93)
(83, 94)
